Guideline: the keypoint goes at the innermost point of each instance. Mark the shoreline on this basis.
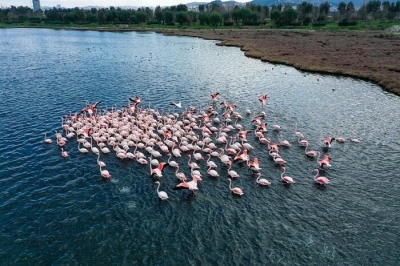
(372, 56)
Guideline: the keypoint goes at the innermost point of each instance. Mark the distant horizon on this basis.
(102, 3)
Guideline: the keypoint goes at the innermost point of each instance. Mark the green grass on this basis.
(331, 26)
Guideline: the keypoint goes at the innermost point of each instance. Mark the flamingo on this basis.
(161, 194)
(236, 190)
(232, 173)
(322, 180)
(298, 133)
(302, 142)
(181, 176)
(353, 138)
(64, 153)
(324, 163)
(192, 185)
(82, 150)
(310, 154)
(286, 179)
(100, 163)
(47, 140)
(176, 104)
(242, 157)
(172, 163)
(255, 165)
(210, 163)
(105, 150)
(275, 126)
(262, 181)
(339, 138)
(157, 171)
(284, 142)
(141, 160)
(214, 96)
(327, 142)
(197, 155)
(94, 149)
(192, 165)
(212, 172)
(279, 160)
(104, 173)
(263, 99)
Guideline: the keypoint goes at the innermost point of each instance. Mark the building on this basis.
(36, 5)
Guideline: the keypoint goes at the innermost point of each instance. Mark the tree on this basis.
(181, 17)
(362, 12)
(101, 16)
(237, 15)
(350, 9)
(342, 9)
(288, 16)
(2, 15)
(181, 7)
(373, 6)
(276, 17)
(202, 8)
(169, 17)
(141, 17)
(304, 10)
(192, 18)
(215, 19)
(324, 9)
(158, 14)
(203, 18)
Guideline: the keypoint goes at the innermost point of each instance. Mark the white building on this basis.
(36, 5)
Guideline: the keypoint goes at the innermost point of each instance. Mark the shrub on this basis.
(347, 22)
(306, 21)
(228, 23)
(319, 23)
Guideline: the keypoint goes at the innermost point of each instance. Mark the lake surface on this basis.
(59, 211)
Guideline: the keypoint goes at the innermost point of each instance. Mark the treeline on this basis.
(214, 14)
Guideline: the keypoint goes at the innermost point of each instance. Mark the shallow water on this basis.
(60, 211)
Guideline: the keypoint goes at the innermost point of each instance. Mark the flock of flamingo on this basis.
(149, 137)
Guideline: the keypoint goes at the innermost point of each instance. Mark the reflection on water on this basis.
(54, 208)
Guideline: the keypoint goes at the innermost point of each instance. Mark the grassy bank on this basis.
(376, 25)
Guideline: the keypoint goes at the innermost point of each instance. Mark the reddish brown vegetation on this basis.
(373, 56)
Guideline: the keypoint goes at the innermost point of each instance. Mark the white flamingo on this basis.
(161, 194)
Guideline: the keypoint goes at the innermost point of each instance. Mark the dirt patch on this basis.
(372, 56)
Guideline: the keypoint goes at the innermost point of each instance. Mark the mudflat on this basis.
(369, 55)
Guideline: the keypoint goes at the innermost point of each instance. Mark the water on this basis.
(60, 211)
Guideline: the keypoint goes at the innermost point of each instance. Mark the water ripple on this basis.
(53, 208)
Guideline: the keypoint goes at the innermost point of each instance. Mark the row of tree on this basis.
(213, 14)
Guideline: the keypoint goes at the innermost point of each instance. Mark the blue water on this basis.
(59, 211)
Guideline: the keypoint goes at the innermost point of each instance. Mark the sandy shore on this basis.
(372, 56)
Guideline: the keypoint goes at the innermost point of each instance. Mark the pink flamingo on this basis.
(262, 181)
(231, 173)
(161, 194)
(157, 171)
(47, 140)
(286, 179)
(324, 163)
(254, 165)
(302, 142)
(311, 154)
(64, 153)
(104, 173)
(192, 185)
(181, 176)
(236, 190)
(322, 180)
(212, 172)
